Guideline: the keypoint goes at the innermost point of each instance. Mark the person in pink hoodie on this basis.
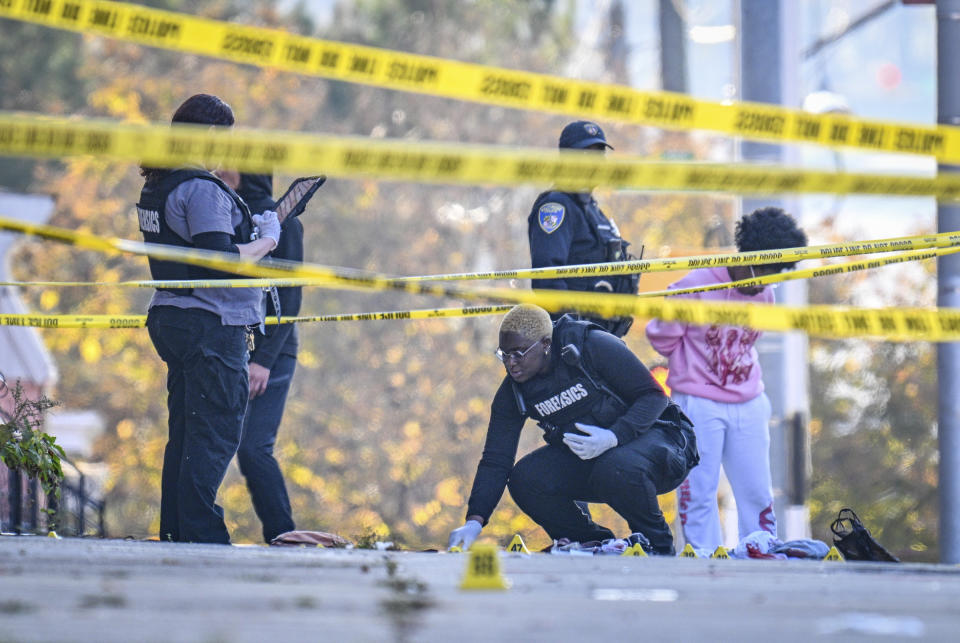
(715, 377)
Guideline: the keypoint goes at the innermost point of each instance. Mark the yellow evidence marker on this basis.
(517, 545)
(688, 552)
(634, 550)
(483, 569)
(834, 555)
(456, 549)
(721, 553)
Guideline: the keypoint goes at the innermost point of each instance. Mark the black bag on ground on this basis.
(854, 540)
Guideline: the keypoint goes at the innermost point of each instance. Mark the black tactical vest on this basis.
(607, 244)
(611, 246)
(151, 211)
(574, 393)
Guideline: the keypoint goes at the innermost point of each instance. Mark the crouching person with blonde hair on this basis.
(613, 436)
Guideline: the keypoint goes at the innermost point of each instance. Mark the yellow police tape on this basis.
(832, 321)
(294, 274)
(808, 273)
(893, 324)
(477, 83)
(262, 150)
(757, 257)
(139, 321)
(715, 261)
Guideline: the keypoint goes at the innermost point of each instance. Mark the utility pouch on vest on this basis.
(674, 419)
(617, 251)
(551, 433)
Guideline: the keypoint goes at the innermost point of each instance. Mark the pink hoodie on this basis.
(715, 362)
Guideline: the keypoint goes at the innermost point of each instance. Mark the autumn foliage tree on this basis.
(385, 421)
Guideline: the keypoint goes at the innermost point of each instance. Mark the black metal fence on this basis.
(76, 513)
(25, 510)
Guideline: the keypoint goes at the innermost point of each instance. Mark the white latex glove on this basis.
(268, 226)
(597, 441)
(464, 536)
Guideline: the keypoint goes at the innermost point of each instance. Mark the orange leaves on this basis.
(49, 299)
(90, 350)
(448, 492)
(334, 456)
(394, 354)
(412, 430)
(425, 513)
(125, 429)
(119, 102)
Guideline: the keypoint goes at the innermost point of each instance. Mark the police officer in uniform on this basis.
(612, 434)
(200, 333)
(569, 228)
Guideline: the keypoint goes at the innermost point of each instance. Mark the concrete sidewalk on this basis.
(114, 590)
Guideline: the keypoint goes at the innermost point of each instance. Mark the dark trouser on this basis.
(206, 396)
(264, 480)
(546, 482)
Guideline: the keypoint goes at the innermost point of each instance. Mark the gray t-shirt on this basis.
(194, 207)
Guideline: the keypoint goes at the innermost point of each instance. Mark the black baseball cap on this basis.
(580, 135)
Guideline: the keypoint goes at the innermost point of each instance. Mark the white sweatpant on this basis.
(738, 437)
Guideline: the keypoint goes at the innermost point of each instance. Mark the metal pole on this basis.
(948, 293)
(769, 74)
(760, 63)
(673, 54)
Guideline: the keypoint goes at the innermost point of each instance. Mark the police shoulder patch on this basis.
(550, 216)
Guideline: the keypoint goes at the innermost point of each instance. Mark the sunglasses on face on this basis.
(516, 356)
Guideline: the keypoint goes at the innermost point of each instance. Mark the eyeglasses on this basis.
(516, 356)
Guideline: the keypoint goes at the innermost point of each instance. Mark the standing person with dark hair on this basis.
(272, 364)
(715, 376)
(201, 333)
(569, 228)
(613, 436)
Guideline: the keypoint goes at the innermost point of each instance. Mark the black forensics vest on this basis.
(151, 212)
(571, 392)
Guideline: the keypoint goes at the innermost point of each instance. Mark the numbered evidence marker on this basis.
(517, 546)
(688, 552)
(834, 555)
(634, 550)
(720, 553)
(483, 569)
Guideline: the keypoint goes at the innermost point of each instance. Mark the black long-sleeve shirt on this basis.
(613, 363)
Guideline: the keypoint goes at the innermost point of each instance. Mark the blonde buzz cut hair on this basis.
(527, 321)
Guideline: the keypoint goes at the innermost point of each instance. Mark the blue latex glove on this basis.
(597, 441)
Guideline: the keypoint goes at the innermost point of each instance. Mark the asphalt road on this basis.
(114, 590)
